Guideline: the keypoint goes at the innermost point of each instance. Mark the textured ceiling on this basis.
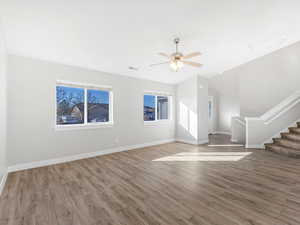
(112, 35)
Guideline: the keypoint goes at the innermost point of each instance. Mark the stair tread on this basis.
(282, 149)
(288, 144)
(294, 129)
(287, 140)
(282, 146)
(292, 134)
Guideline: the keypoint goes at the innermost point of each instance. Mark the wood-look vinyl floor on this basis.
(171, 184)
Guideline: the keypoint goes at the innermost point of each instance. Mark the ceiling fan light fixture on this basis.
(176, 65)
(177, 59)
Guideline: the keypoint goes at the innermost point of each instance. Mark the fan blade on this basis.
(156, 64)
(191, 55)
(164, 54)
(192, 63)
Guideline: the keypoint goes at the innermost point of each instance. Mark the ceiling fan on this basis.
(177, 59)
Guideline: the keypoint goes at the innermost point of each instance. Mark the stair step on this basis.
(287, 143)
(283, 150)
(291, 136)
(295, 130)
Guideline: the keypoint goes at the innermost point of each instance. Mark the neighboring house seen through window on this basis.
(82, 105)
(69, 105)
(98, 106)
(156, 107)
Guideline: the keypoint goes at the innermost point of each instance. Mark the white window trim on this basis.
(170, 112)
(85, 125)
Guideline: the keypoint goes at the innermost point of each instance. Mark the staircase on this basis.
(260, 129)
(288, 144)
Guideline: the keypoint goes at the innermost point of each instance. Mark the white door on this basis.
(210, 114)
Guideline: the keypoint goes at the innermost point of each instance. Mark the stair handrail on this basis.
(240, 120)
(279, 109)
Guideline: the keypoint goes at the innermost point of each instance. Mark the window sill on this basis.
(83, 126)
(156, 122)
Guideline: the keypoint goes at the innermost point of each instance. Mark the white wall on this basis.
(3, 106)
(224, 88)
(31, 112)
(253, 88)
(238, 130)
(214, 123)
(187, 111)
(192, 111)
(268, 80)
(202, 110)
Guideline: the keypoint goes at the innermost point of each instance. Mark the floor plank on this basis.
(175, 183)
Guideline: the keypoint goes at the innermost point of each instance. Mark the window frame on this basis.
(158, 94)
(85, 124)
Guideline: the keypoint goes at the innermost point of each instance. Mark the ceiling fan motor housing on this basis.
(176, 41)
(177, 56)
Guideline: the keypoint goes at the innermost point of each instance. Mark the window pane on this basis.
(98, 106)
(149, 107)
(162, 108)
(70, 105)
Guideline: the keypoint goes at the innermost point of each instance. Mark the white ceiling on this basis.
(111, 35)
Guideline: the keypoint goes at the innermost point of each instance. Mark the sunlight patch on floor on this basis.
(204, 157)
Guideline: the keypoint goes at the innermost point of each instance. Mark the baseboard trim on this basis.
(187, 141)
(192, 142)
(255, 146)
(65, 159)
(2, 182)
(201, 142)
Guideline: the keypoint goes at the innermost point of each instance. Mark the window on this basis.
(82, 105)
(70, 105)
(149, 108)
(162, 108)
(156, 107)
(98, 106)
